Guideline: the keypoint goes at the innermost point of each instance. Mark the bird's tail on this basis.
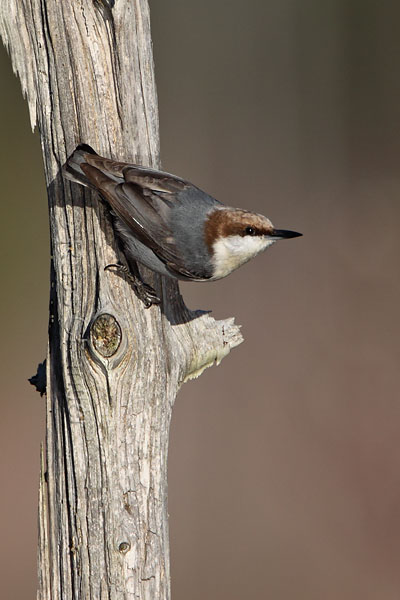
(72, 167)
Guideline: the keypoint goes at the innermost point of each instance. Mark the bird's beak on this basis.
(282, 234)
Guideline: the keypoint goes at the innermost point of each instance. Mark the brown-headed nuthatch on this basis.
(170, 225)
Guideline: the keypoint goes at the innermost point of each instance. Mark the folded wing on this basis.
(142, 198)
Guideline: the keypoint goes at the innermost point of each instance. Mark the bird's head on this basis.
(234, 236)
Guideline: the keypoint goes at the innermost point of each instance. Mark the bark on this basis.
(113, 368)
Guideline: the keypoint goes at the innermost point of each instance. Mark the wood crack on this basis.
(87, 72)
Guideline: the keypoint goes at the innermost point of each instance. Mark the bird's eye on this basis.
(250, 231)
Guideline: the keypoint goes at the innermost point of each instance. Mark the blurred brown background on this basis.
(285, 462)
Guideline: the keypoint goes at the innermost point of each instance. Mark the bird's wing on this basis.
(142, 199)
(145, 177)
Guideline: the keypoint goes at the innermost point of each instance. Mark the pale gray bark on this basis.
(113, 368)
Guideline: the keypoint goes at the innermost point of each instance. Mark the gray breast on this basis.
(138, 251)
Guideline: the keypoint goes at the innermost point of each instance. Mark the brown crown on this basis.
(234, 221)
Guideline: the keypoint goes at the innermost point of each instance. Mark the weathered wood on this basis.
(86, 69)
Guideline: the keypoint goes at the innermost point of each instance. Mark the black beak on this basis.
(283, 234)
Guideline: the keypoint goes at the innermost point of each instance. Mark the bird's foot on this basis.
(144, 292)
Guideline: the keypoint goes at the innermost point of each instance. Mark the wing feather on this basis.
(142, 199)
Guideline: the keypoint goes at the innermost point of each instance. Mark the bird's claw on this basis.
(144, 292)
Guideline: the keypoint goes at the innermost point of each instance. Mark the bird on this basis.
(168, 224)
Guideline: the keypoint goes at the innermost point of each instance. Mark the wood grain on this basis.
(86, 70)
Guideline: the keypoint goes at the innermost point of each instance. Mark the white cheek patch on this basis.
(235, 250)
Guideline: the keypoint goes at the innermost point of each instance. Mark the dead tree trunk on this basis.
(113, 368)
